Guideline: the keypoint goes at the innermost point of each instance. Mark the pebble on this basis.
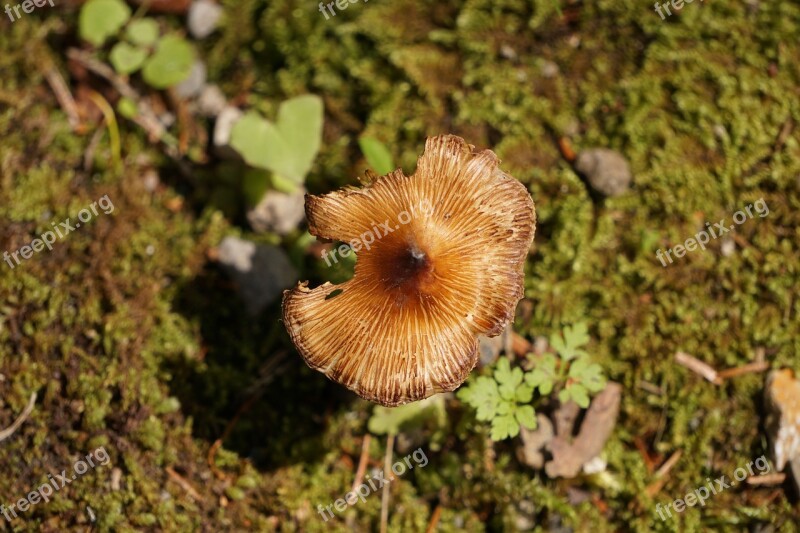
(278, 211)
(222, 131)
(193, 85)
(204, 16)
(261, 271)
(727, 248)
(606, 170)
(211, 101)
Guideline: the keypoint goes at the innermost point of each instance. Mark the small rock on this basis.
(150, 180)
(489, 349)
(211, 101)
(594, 466)
(222, 132)
(116, 477)
(508, 53)
(203, 18)
(166, 119)
(278, 211)
(606, 171)
(191, 86)
(534, 441)
(540, 345)
(728, 247)
(549, 69)
(262, 272)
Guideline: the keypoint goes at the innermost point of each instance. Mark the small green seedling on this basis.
(393, 420)
(164, 61)
(100, 19)
(575, 374)
(286, 148)
(378, 156)
(509, 396)
(502, 399)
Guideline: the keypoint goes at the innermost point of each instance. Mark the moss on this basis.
(149, 354)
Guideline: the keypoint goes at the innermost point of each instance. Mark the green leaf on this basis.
(385, 420)
(100, 19)
(505, 375)
(127, 108)
(589, 374)
(504, 427)
(574, 337)
(170, 64)
(142, 32)
(378, 156)
(287, 148)
(526, 416)
(543, 375)
(575, 392)
(300, 126)
(507, 379)
(127, 58)
(280, 183)
(524, 393)
(482, 394)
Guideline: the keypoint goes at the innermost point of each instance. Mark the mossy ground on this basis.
(150, 354)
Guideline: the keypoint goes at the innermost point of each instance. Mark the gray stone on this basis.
(261, 272)
(728, 247)
(489, 349)
(203, 18)
(222, 132)
(606, 171)
(278, 211)
(193, 85)
(211, 101)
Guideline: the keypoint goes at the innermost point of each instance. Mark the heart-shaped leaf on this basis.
(100, 19)
(127, 58)
(378, 156)
(170, 64)
(143, 32)
(287, 147)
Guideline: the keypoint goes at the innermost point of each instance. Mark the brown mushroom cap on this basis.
(445, 265)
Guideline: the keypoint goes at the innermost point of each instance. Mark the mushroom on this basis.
(440, 262)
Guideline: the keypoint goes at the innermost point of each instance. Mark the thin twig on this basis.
(749, 368)
(387, 470)
(767, 480)
(145, 117)
(20, 419)
(63, 95)
(437, 514)
(697, 366)
(661, 474)
(362, 462)
(185, 485)
(520, 344)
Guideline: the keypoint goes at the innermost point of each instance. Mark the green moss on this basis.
(146, 351)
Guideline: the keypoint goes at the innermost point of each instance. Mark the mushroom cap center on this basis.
(409, 268)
